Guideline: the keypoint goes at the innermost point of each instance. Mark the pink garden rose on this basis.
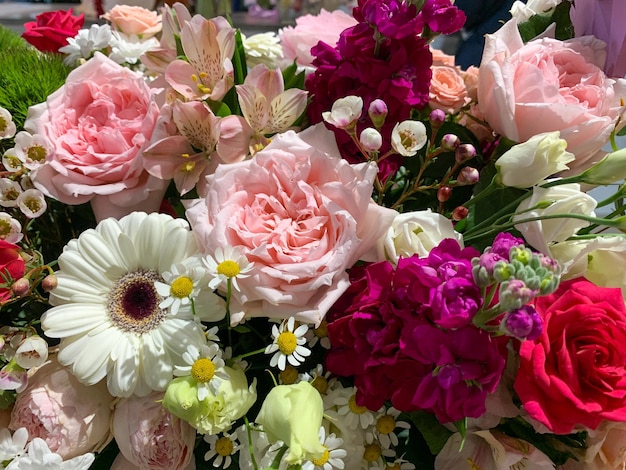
(130, 20)
(301, 214)
(150, 437)
(549, 85)
(98, 124)
(71, 417)
(298, 40)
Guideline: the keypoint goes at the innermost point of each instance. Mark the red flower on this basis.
(11, 267)
(51, 29)
(575, 372)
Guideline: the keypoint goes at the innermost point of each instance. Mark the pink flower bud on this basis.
(444, 193)
(377, 112)
(437, 117)
(450, 142)
(467, 175)
(49, 282)
(464, 152)
(371, 139)
(460, 213)
(20, 287)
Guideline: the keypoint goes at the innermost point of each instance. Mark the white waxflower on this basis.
(32, 203)
(10, 228)
(205, 366)
(345, 112)
(31, 149)
(408, 137)
(288, 344)
(11, 161)
(7, 126)
(33, 352)
(9, 192)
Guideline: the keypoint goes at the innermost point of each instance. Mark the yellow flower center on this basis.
(3, 124)
(372, 452)
(320, 384)
(12, 162)
(11, 194)
(287, 342)
(37, 153)
(187, 167)
(289, 375)
(356, 409)
(395, 466)
(321, 331)
(203, 370)
(33, 204)
(224, 446)
(386, 424)
(228, 268)
(5, 228)
(323, 459)
(182, 287)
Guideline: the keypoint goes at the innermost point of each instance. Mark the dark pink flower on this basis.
(442, 17)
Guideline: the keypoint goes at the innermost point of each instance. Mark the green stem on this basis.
(485, 316)
(276, 463)
(484, 193)
(250, 446)
(229, 288)
(248, 354)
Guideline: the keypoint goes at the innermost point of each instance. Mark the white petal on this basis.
(123, 374)
(72, 319)
(156, 366)
(72, 264)
(203, 392)
(101, 255)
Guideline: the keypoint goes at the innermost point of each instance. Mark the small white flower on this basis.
(319, 334)
(408, 137)
(128, 49)
(86, 42)
(31, 149)
(205, 366)
(345, 112)
(32, 203)
(222, 448)
(12, 446)
(229, 263)
(288, 344)
(9, 192)
(7, 126)
(386, 424)
(211, 334)
(11, 161)
(180, 286)
(375, 456)
(40, 457)
(333, 453)
(354, 415)
(10, 229)
(33, 352)
(319, 378)
(371, 140)
(400, 464)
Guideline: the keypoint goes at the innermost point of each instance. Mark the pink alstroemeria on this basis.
(205, 140)
(267, 106)
(208, 72)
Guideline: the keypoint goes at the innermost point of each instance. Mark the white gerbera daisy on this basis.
(288, 344)
(107, 310)
(222, 448)
(206, 367)
(229, 263)
(333, 453)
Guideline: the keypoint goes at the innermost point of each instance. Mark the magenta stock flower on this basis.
(442, 17)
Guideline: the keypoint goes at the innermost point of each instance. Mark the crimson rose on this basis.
(575, 372)
(50, 30)
(11, 268)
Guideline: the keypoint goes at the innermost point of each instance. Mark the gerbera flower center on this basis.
(133, 303)
(287, 342)
(203, 370)
(224, 446)
(372, 452)
(323, 459)
(228, 268)
(182, 287)
(385, 424)
(37, 153)
(356, 409)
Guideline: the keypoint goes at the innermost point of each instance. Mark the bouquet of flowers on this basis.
(328, 248)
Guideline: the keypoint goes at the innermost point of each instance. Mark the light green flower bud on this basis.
(293, 414)
(610, 169)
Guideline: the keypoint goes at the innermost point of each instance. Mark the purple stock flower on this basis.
(514, 294)
(442, 17)
(455, 302)
(503, 243)
(524, 323)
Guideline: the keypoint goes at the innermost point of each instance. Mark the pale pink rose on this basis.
(131, 20)
(549, 85)
(71, 417)
(298, 40)
(98, 124)
(301, 214)
(149, 436)
(441, 58)
(447, 89)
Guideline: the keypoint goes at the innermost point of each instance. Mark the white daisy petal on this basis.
(122, 377)
(156, 366)
(72, 319)
(98, 253)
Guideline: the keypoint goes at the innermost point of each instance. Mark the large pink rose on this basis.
(298, 40)
(549, 85)
(301, 213)
(98, 123)
(574, 374)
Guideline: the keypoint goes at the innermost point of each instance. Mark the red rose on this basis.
(51, 29)
(11, 266)
(575, 372)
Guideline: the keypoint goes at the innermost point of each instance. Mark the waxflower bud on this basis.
(444, 193)
(467, 176)
(514, 294)
(378, 112)
(464, 152)
(20, 287)
(524, 323)
(371, 140)
(450, 142)
(437, 117)
(49, 282)
(459, 213)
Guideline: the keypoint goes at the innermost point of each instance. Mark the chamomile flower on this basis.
(228, 263)
(222, 448)
(375, 456)
(180, 286)
(288, 344)
(319, 378)
(400, 464)
(386, 424)
(319, 334)
(333, 453)
(211, 334)
(354, 415)
(206, 366)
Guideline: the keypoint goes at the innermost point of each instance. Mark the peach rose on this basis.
(549, 85)
(131, 20)
(441, 58)
(98, 123)
(71, 417)
(301, 214)
(447, 89)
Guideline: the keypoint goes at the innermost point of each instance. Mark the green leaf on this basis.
(538, 23)
(461, 426)
(7, 398)
(292, 78)
(239, 60)
(622, 132)
(435, 434)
